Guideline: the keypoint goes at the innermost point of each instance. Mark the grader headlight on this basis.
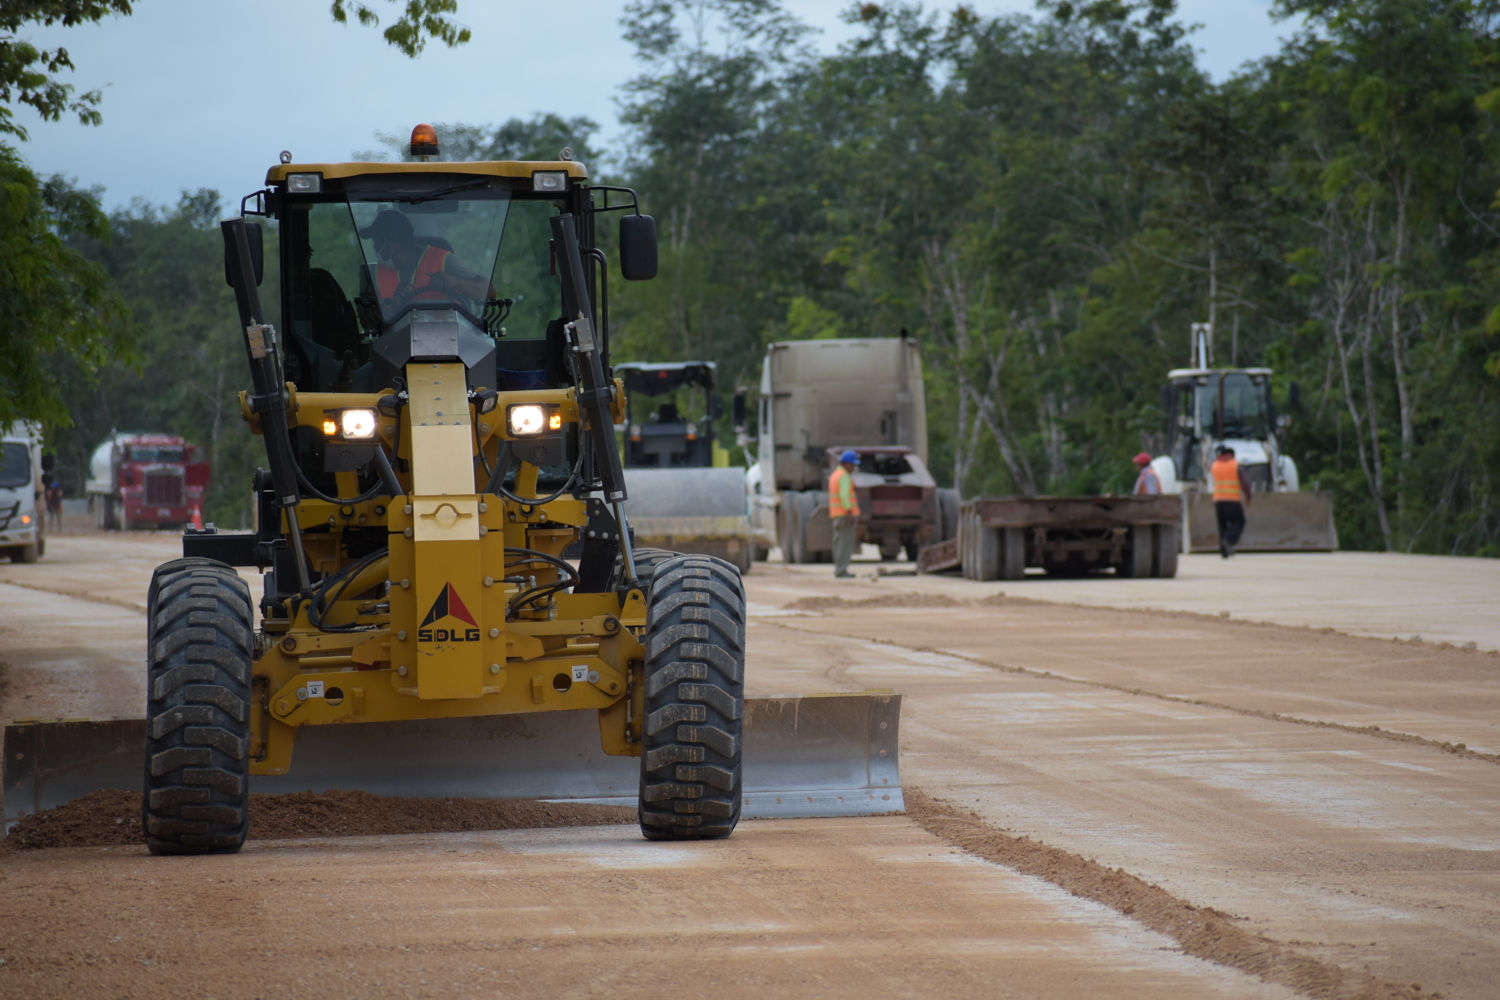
(527, 420)
(358, 425)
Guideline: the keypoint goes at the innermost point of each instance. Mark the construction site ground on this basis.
(1113, 791)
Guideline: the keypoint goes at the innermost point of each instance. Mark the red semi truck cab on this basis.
(146, 481)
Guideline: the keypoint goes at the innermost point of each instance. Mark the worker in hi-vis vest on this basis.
(1231, 495)
(411, 270)
(1148, 482)
(843, 512)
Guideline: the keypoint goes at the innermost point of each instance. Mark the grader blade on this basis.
(1274, 522)
(805, 756)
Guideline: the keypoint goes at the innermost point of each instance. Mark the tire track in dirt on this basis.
(1203, 932)
(1410, 739)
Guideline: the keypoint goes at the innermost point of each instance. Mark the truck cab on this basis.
(22, 523)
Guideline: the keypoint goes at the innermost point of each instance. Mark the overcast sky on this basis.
(206, 94)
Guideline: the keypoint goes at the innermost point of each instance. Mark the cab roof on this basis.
(490, 168)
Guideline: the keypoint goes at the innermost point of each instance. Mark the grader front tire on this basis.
(692, 727)
(197, 766)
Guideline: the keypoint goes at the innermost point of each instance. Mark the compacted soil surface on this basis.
(1102, 801)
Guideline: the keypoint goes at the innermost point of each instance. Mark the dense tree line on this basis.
(1046, 202)
(1050, 202)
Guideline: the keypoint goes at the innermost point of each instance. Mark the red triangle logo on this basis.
(456, 607)
(448, 603)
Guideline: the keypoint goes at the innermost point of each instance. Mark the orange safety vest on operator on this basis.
(836, 483)
(1226, 473)
(430, 263)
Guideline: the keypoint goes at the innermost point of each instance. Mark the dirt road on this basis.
(1236, 765)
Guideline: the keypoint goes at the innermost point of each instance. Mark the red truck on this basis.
(146, 481)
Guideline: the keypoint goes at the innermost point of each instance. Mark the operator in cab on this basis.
(1148, 483)
(843, 512)
(411, 270)
(1231, 496)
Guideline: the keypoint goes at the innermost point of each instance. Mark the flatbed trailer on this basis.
(999, 537)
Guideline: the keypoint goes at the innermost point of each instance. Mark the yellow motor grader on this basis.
(437, 408)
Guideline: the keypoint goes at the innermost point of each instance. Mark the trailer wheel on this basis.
(1167, 538)
(912, 550)
(948, 506)
(1140, 552)
(890, 551)
(787, 524)
(806, 505)
(692, 726)
(198, 660)
(1012, 552)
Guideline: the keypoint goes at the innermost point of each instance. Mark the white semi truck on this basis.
(23, 522)
(819, 398)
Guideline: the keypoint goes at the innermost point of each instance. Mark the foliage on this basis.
(53, 301)
(1050, 202)
(167, 266)
(419, 21)
(28, 75)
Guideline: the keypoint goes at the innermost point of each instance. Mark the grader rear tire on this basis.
(692, 727)
(198, 659)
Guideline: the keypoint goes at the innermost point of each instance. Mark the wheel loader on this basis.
(438, 410)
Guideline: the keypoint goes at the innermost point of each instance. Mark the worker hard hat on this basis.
(1142, 459)
(388, 225)
(849, 457)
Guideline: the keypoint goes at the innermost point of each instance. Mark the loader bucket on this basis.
(805, 755)
(1274, 522)
(691, 510)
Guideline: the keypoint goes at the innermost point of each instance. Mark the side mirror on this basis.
(638, 247)
(1166, 400)
(737, 412)
(1293, 396)
(256, 239)
(715, 406)
(49, 462)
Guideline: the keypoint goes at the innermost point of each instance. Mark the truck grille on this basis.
(164, 489)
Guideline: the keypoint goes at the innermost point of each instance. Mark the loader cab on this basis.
(1209, 406)
(670, 417)
(381, 262)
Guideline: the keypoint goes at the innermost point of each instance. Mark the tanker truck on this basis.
(818, 398)
(139, 480)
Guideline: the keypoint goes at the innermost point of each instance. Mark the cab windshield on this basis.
(394, 243)
(1235, 405)
(15, 465)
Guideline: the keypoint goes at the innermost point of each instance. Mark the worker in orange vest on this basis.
(843, 511)
(1231, 496)
(412, 270)
(1148, 482)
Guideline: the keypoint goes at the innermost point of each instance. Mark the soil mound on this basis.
(113, 817)
(881, 601)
